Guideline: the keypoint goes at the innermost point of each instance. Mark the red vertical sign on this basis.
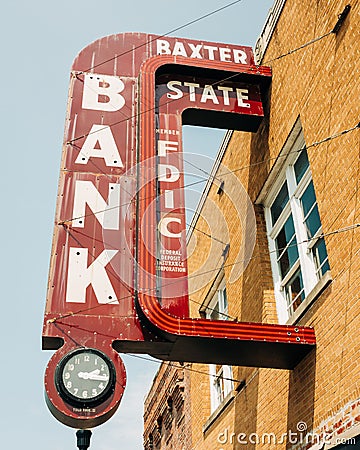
(118, 273)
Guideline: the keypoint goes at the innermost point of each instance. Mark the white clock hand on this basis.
(83, 375)
(86, 375)
(96, 377)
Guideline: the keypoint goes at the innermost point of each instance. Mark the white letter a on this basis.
(100, 136)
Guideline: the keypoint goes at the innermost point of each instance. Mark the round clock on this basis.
(85, 377)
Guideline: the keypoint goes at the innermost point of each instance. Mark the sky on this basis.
(39, 40)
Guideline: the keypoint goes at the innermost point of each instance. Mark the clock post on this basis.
(83, 439)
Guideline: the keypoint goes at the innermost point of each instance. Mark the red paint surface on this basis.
(149, 305)
(150, 314)
(136, 51)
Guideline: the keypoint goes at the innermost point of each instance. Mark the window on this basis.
(297, 249)
(220, 375)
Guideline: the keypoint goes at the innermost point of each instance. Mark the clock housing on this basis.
(85, 377)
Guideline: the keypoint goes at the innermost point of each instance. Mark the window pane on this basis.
(295, 293)
(218, 384)
(286, 247)
(311, 212)
(308, 199)
(279, 203)
(313, 222)
(214, 312)
(222, 383)
(301, 165)
(321, 257)
(225, 303)
(218, 310)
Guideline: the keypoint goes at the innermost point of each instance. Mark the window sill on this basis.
(309, 300)
(218, 411)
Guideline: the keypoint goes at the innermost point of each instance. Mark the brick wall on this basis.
(166, 411)
(320, 85)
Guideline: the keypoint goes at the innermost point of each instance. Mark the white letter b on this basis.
(102, 92)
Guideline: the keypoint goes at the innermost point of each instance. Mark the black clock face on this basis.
(85, 377)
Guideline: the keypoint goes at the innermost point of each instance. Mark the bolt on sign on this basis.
(118, 272)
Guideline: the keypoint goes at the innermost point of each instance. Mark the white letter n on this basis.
(106, 213)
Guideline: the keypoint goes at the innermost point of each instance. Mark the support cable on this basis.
(216, 269)
(335, 30)
(228, 172)
(191, 22)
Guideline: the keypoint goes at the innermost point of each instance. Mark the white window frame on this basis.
(311, 274)
(221, 384)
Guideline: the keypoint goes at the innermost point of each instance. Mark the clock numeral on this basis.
(83, 376)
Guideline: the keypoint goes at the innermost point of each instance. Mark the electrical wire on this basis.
(57, 323)
(172, 364)
(315, 144)
(137, 115)
(115, 275)
(191, 22)
(216, 269)
(70, 142)
(335, 30)
(169, 363)
(228, 172)
(323, 235)
(101, 211)
(290, 52)
(191, 369)
(213, 177)
(206, 234)
(186, 367)
(341, 230)
(200, 169)
(244, 167)
(305, 147)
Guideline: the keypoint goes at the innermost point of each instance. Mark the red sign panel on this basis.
(118, 274)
